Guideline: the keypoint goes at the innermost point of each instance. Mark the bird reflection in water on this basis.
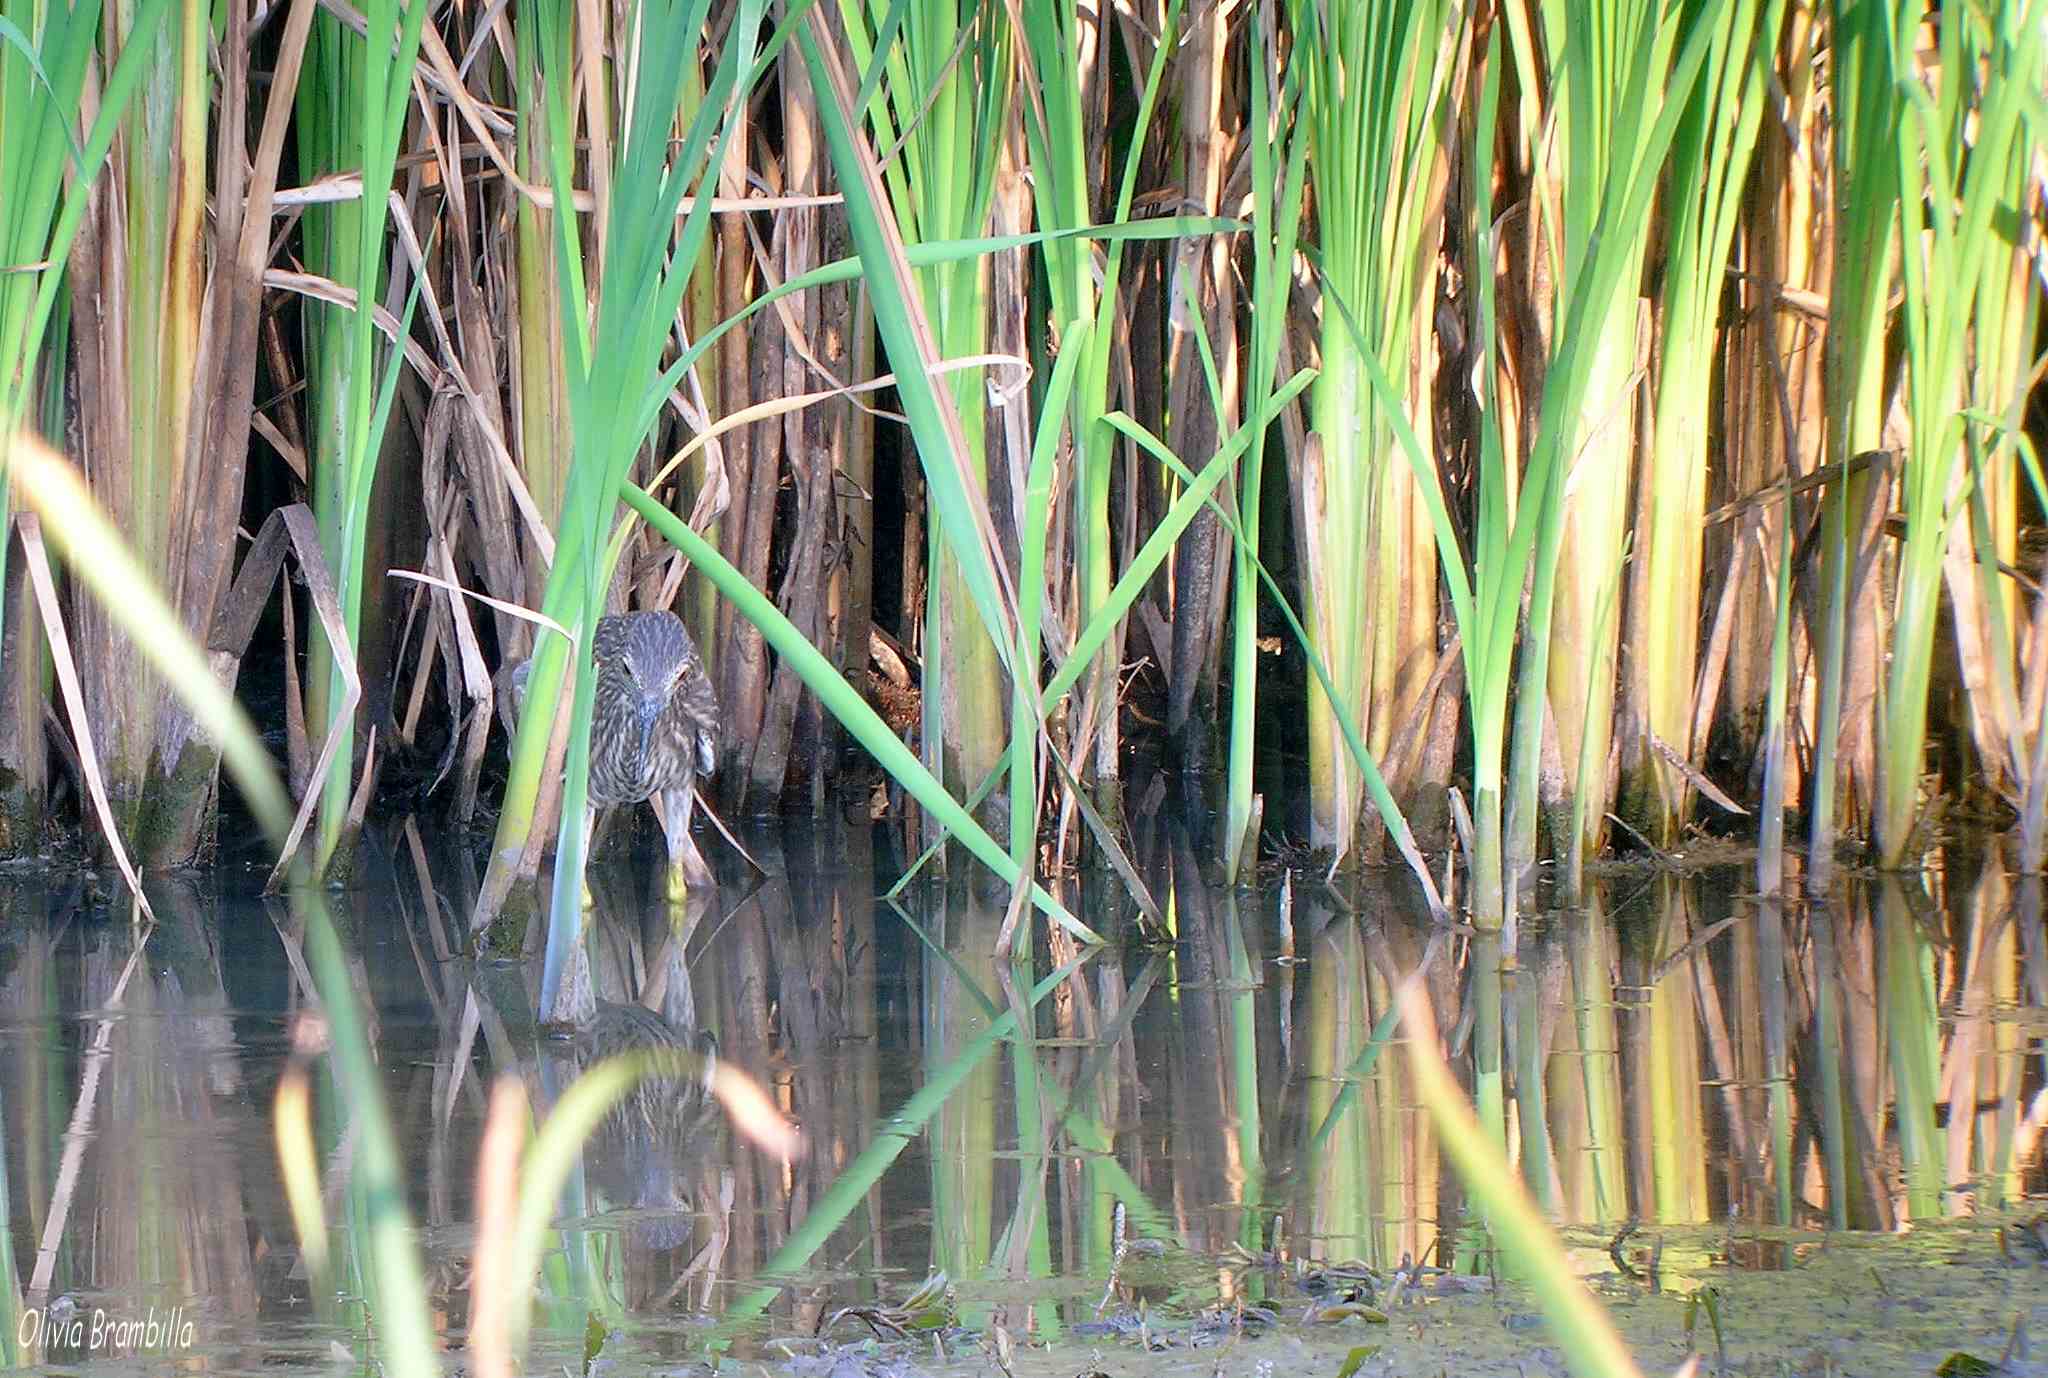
(657, 1142)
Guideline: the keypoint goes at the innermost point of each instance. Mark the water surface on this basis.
(1817, 1125)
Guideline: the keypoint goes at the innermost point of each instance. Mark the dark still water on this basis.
(1817, 1127)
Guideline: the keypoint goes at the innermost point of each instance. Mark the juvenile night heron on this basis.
(653, 724)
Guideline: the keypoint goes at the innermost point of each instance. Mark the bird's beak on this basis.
(650, 711)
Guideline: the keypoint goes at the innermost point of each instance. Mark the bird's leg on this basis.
(589, 834)
(686, 866)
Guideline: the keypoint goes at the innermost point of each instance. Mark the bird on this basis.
(654, 727)
(645, 1148)
(654, 724)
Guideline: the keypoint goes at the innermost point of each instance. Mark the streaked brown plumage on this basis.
(653, 722)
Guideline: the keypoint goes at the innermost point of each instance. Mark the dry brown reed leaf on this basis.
(292, 1131)
(1412, 733)
(477, 685)
(297, 522)
(783, 406)
(493, 1291)
(328, 290)
(539, 619)
(298, 752)
(1694, 777)
(1105, 836)
(1706, 694)
(359, 802)
(753, 1113)
(30, 528)
(294, 456)
(481, 411)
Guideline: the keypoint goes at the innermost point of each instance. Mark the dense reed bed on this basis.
(1577, 427)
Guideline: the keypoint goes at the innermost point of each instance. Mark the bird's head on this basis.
(661, 670)
(657, 654)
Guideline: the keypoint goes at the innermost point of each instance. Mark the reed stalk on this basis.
(1517, 534)
(539, 349)
(1379, 89)
(353, 99)
(50, 163)
(1779, 389)
(1277, 195)
(1203, 389)
(938, 93)
(1987, 72)
(1062, 60)
(1199, 490)
(1991, 611)
(1613, 93)
(140, 258)
(1868, 110)
(617, 385)
(1605, 158)
(1710, 161)
(1777, 712)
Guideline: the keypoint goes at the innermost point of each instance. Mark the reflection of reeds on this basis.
(1907, 1013)
(132, 1209)
(1660, 1064)
(1531, 1250)
(1334, 1024)
(964, 1130)
(1824, 987)
(1774, 975)
(1981, 1064)
(12, 1350)
(788, 976)
(1588, 1101)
